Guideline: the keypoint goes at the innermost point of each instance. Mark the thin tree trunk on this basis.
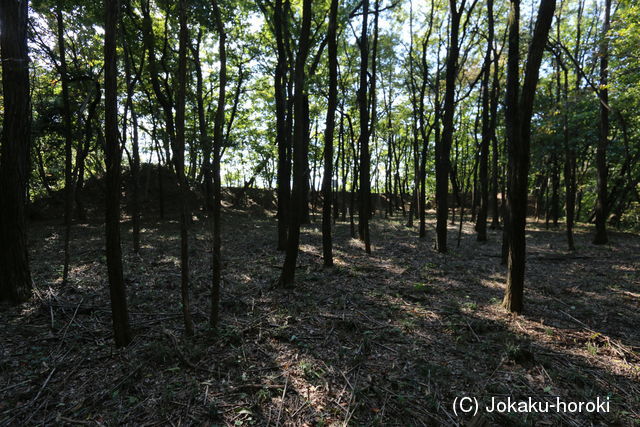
(443, 147)
(495, 223)
(83, 152)
(327, 245)
(218, 136)
(555, 187)
(344, 164)
(113, 154)
(205, 142)
(135, 164)
(569, 167)
(422, 202)
(603, 141)
(365, 184)
(338, 165)
(481, 224)
(68, 141)
(178, 157)
(305, 217)
(284, 158)
(414, 128)
(356, 174)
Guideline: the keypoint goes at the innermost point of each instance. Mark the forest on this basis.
(314, 213)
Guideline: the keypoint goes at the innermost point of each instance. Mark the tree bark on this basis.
(15, 275)
(83, 152)
(284, 157)
(443, 146)
(518, 115)
(205, 141)
(554, 211)
(178, 157)
(495, 223)
(601, 237)
(365, 158)
(68, 141)
(135, 164)
(301, 143)
(113, 155)
(218, 136)
(481, 223)
(569, 167)
(327, 246)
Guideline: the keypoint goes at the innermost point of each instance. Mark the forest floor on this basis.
(388, 339)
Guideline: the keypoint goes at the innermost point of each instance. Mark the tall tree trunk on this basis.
(554, 212)
(301, 143)
(344, 166)
(414, 133)
(422, 203)
(135, 164)
(68, 141)
(284, 158)
(373, 105)
(178, 157)
(113, 154)
(569, 167)
(495, 223)
(481, 224)
(15, 275)
(570, 152)
(218, 136)
(603, 141)
(205, 142)
(365, 158)
(312, 196)
(518, 115)
(305, 217)
(327, 246)
(513, 296)
(356, 173)
(337, 168)
(443, 147)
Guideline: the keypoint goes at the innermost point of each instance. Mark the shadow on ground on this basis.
(389, 339)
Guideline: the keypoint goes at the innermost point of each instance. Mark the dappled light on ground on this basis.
(390, 338)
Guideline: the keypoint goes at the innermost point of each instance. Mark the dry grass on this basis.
(389, 339)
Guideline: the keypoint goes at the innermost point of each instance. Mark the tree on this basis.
(519, 109)
(300, 147)
(15, 275)
(481, 224)
(131, 82)
(603, 140)
(283, 141)
(217, 147)
(178, 158)
(365, 157)
(68, 141)
(443, 146)
(328, 134)
(113, 154)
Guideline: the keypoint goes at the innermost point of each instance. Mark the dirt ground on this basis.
(387, 339)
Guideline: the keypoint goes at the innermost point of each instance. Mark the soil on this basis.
(389, 339)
